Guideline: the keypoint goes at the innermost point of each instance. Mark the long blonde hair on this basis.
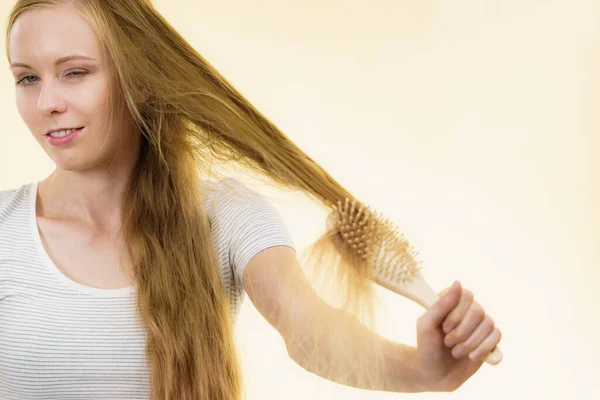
(190, 116)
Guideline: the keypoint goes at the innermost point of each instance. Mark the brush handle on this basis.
(420, 292)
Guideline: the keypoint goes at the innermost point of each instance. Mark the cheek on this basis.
(96, 102)
(27, 111)
(86, 98)
(22, 105)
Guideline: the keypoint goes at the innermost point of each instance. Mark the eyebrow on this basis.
(57, 62)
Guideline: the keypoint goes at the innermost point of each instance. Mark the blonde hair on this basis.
(190, 116)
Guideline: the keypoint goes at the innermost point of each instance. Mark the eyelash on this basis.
(79, 74)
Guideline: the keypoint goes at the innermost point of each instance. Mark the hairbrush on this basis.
(391, 260)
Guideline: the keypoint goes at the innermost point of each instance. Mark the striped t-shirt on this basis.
(62, 340)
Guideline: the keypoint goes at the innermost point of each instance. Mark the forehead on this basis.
(45, 34)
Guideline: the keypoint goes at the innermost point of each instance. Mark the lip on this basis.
(61, 141)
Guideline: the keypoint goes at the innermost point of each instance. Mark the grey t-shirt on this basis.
(60, 339)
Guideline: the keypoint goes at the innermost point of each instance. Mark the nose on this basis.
(51, 100)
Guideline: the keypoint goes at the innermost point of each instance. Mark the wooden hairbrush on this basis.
(377, 241)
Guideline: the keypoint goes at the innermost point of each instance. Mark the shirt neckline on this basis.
(126, 291)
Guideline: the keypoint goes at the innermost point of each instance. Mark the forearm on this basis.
(339, 348)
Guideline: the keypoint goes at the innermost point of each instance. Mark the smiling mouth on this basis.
(73, 129)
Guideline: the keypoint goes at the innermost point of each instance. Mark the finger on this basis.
(474, 316)
(439, 310)
(487, 345)
(458, 314)
(482, 331)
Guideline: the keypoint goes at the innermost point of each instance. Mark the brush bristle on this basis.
(375, 240)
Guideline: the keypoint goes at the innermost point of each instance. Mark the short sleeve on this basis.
(252, 224)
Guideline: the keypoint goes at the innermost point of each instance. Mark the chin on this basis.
(74, 163)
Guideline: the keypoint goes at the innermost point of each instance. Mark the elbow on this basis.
(311, 339)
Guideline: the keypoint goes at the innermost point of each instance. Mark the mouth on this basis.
(67, 129)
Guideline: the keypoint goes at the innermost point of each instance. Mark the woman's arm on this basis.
(322, 339)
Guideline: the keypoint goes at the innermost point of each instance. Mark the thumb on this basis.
(436, 314)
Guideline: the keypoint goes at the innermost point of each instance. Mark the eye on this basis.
(22, 81)
(77, 73)
(74, 75)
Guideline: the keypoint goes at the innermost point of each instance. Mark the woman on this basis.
(130, 113)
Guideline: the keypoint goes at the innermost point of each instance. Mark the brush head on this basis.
(375, 241)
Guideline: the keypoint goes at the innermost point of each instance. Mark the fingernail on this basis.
(448, 343)
(447, 327)
(457, 353)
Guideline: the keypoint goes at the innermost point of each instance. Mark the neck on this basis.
(91, 197)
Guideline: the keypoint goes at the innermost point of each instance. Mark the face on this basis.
(69, 94)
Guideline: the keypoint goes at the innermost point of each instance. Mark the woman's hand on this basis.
(453, 338)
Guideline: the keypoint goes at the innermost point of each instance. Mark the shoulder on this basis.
(231, 197)
(243, 215)
(228, 189)
(246, 222)
(12, 198)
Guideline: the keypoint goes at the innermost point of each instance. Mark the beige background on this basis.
(471, 124)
